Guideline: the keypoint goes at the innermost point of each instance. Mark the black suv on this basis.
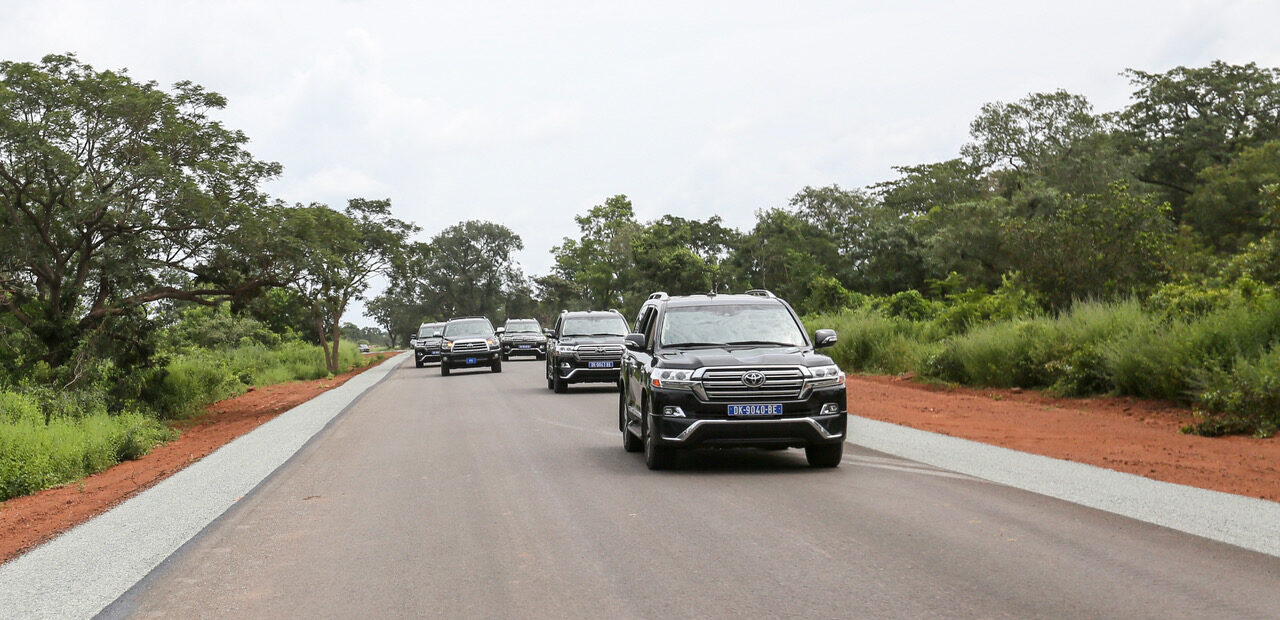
(426, 347)
(469, 342)
(585, 347)
(729, 371)
(523, 337)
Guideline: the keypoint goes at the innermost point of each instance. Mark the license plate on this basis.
(755, 409)
(599, 364)
(470, 360)
(526, 346)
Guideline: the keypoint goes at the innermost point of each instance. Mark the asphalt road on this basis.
(485, 495)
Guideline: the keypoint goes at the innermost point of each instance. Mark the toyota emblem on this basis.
(753, 378)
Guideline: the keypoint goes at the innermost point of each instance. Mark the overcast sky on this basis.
(528, 116)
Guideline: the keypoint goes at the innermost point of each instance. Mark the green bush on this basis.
(872, 342)
(1244, 399)
(35, 455)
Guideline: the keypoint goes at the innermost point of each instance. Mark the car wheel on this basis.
(655, 457)
(630, 442)
(826, 455)
(550, 383)
(417, 362)
(444, 369)
(540, 356)
(558, 384)
(497, 366)
(506, 357)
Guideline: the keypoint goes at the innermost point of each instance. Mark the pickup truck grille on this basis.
(600, 352)
(728, 384)
(469, 347)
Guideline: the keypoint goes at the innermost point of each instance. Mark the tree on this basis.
(467, 269)
(115, 194)
(784, 253)
(1187, 119)
(600, 259)
(1228, 207)
(398, 313)
(341, 253)
(681, 256)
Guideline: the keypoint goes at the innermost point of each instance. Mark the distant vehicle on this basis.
(426, 347)
(523, 337)
(585, 347)
(364, 348)
(729, 371)
(469, 342)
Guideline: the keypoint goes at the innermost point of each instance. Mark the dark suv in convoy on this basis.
(426, 347)
(469, 342)
(585, 347)
(729, 371)
(523, 337)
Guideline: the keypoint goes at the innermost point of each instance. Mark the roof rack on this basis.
(454, 318)
(760, 292)
(660, 295)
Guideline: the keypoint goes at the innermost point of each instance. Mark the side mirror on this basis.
(824, 338)
(437, 335)
(551, 333)
(500, 330)
(635, 342)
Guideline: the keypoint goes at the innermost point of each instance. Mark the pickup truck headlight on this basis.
(673, 379)
(826, 376)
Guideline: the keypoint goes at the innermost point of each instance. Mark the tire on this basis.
(825, 455)
(655, 457)
(497, 366)
(417, 362)
(540, 356)
(558, 384)
(444, 369)
(630, 442)
(506, 357)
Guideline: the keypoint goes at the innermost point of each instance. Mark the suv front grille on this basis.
(727, 384)
(600, 352)
(469, 347)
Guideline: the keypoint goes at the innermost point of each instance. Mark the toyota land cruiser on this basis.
(585, 347)
(523, 337)
(729, 371)
(426, 347)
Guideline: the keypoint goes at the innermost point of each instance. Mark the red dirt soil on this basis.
(1129, 435)
(32, 519)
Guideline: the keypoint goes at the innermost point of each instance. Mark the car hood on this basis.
(733, 356)
(576, 340)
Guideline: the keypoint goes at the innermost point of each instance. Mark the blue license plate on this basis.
(755, 409)
(470, 360)
(599, 364)
(526, 346)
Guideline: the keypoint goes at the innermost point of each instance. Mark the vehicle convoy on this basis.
(585, 347)
(426, 347)
(729, 371)
(523, 337)
(469, 342)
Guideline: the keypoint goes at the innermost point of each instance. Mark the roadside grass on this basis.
(50, 437)
(1225, 361)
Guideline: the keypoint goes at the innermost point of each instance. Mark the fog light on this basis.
(830, 409)
(674, 412)
(564, 365)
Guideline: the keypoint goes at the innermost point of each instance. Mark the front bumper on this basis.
(431, 354)
(479, 358)
(708, 424)
(524, 348)
(580, 371)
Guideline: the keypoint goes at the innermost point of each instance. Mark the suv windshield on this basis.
(428, 330)
(474, 328)
(522, 327)
(607, 325)
(746, 324)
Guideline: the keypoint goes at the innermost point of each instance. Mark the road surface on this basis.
(484, 495)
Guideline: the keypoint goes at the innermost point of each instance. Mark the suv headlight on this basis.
(566, 348)
(447, 345)
(826, 376)
(492, 342)
(673, 379)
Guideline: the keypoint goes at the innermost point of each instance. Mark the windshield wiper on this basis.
(763, 343)
(599, 334)
(692, 344)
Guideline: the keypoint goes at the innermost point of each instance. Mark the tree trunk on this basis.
(337, 333)
(324, 344)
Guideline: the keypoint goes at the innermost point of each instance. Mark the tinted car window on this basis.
(725, 323)
(520, 327)
(430, 329)
(468, 329)
(610, 325)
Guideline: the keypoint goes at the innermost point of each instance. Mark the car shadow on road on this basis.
(735, 461)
